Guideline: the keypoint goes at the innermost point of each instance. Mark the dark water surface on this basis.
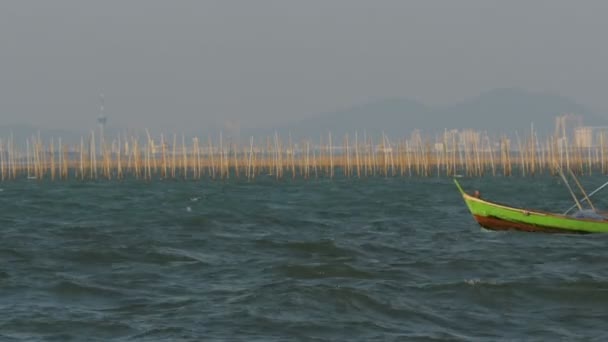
(348, 260)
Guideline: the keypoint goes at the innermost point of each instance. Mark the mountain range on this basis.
(498, 111)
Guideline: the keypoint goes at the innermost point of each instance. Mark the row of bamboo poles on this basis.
(352, 156)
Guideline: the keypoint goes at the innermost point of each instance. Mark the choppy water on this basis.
(342, 260)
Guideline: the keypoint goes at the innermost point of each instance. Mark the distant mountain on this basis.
(392, 116)
(507, 110)
(499, 111)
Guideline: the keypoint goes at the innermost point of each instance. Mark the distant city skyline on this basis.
(178, 65)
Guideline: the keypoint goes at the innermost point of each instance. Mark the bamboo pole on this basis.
(184, 158)
(2, 166)
(418, 155)
(119, 173)
(173, 156)
(250, 159)
(331, 159)
(291, 158)
(602, 164)
(163, 147)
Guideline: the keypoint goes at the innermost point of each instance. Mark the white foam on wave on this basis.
(477, 281)
(473, 281)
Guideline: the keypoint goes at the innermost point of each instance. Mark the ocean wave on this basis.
(375, 259)
(332, 270)
(176, 255)
(82, 289)
(324, 248)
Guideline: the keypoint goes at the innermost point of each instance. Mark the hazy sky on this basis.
(185, 64)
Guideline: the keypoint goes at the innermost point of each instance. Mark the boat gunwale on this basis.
(528, 211)
(562, 223)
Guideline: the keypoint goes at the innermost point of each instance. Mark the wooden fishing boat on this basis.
(495, 216)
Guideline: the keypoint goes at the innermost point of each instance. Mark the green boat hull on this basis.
(496, 216)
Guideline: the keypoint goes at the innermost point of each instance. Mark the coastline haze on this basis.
(177, 66)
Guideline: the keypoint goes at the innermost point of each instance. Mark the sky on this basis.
(176, 65)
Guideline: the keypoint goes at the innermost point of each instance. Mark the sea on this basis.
(343, 259)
